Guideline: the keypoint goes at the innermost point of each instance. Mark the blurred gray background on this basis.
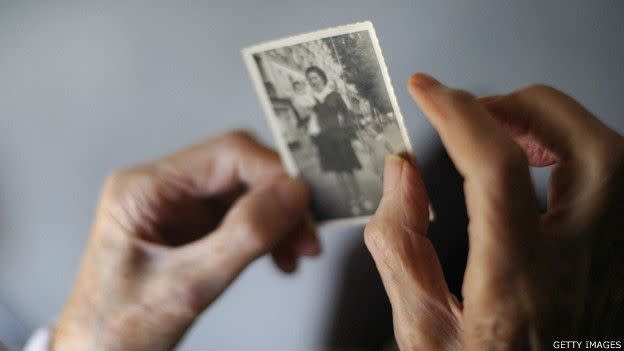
(88, 87)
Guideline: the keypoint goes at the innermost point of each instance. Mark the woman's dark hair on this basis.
(318, 71)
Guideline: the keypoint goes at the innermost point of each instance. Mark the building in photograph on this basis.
(281, 67)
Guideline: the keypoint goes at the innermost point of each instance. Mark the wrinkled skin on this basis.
(171, 235)
(531, 277)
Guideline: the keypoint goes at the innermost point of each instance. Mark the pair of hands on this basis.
(171, 235)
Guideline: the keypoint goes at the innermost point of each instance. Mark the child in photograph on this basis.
(303, 103)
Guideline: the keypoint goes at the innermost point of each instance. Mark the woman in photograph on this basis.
(334, 137)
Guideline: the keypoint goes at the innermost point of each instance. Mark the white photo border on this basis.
(256, 78)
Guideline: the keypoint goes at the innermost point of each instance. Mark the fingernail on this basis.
(309, 246)
(489, 99)
(392, 172)
(423, 81)
(290, 192)
(290, 265)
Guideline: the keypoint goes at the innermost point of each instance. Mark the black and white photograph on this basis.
(332, 110)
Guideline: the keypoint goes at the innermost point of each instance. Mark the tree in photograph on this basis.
(355, 53)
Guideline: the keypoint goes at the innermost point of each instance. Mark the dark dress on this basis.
(334, 139)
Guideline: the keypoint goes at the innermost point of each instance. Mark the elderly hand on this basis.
(171, 235)
(532, 278)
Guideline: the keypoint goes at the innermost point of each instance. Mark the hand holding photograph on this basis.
(332, 110)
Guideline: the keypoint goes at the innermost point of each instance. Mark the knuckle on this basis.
(382, 238)
(124, 193)
(253, 234)
(508, 160)
(238, 137)
(117, 183)
(435, 328)
(540, 89)
(241, 142)
(116, 179)
(498, 333)
(372, 234)
(121, 179)
(127, 252)
(505, 164)
(542, 92)
(259, 242)
(458, 97)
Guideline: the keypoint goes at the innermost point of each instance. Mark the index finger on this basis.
(500, 199)
(232, 160)
(499, 191)
(476, 143)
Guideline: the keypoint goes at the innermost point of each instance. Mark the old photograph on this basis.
(331, 107)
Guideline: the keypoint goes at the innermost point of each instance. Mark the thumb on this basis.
(395, 235)
(407, 261)
(251, 228)
(261, 218)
